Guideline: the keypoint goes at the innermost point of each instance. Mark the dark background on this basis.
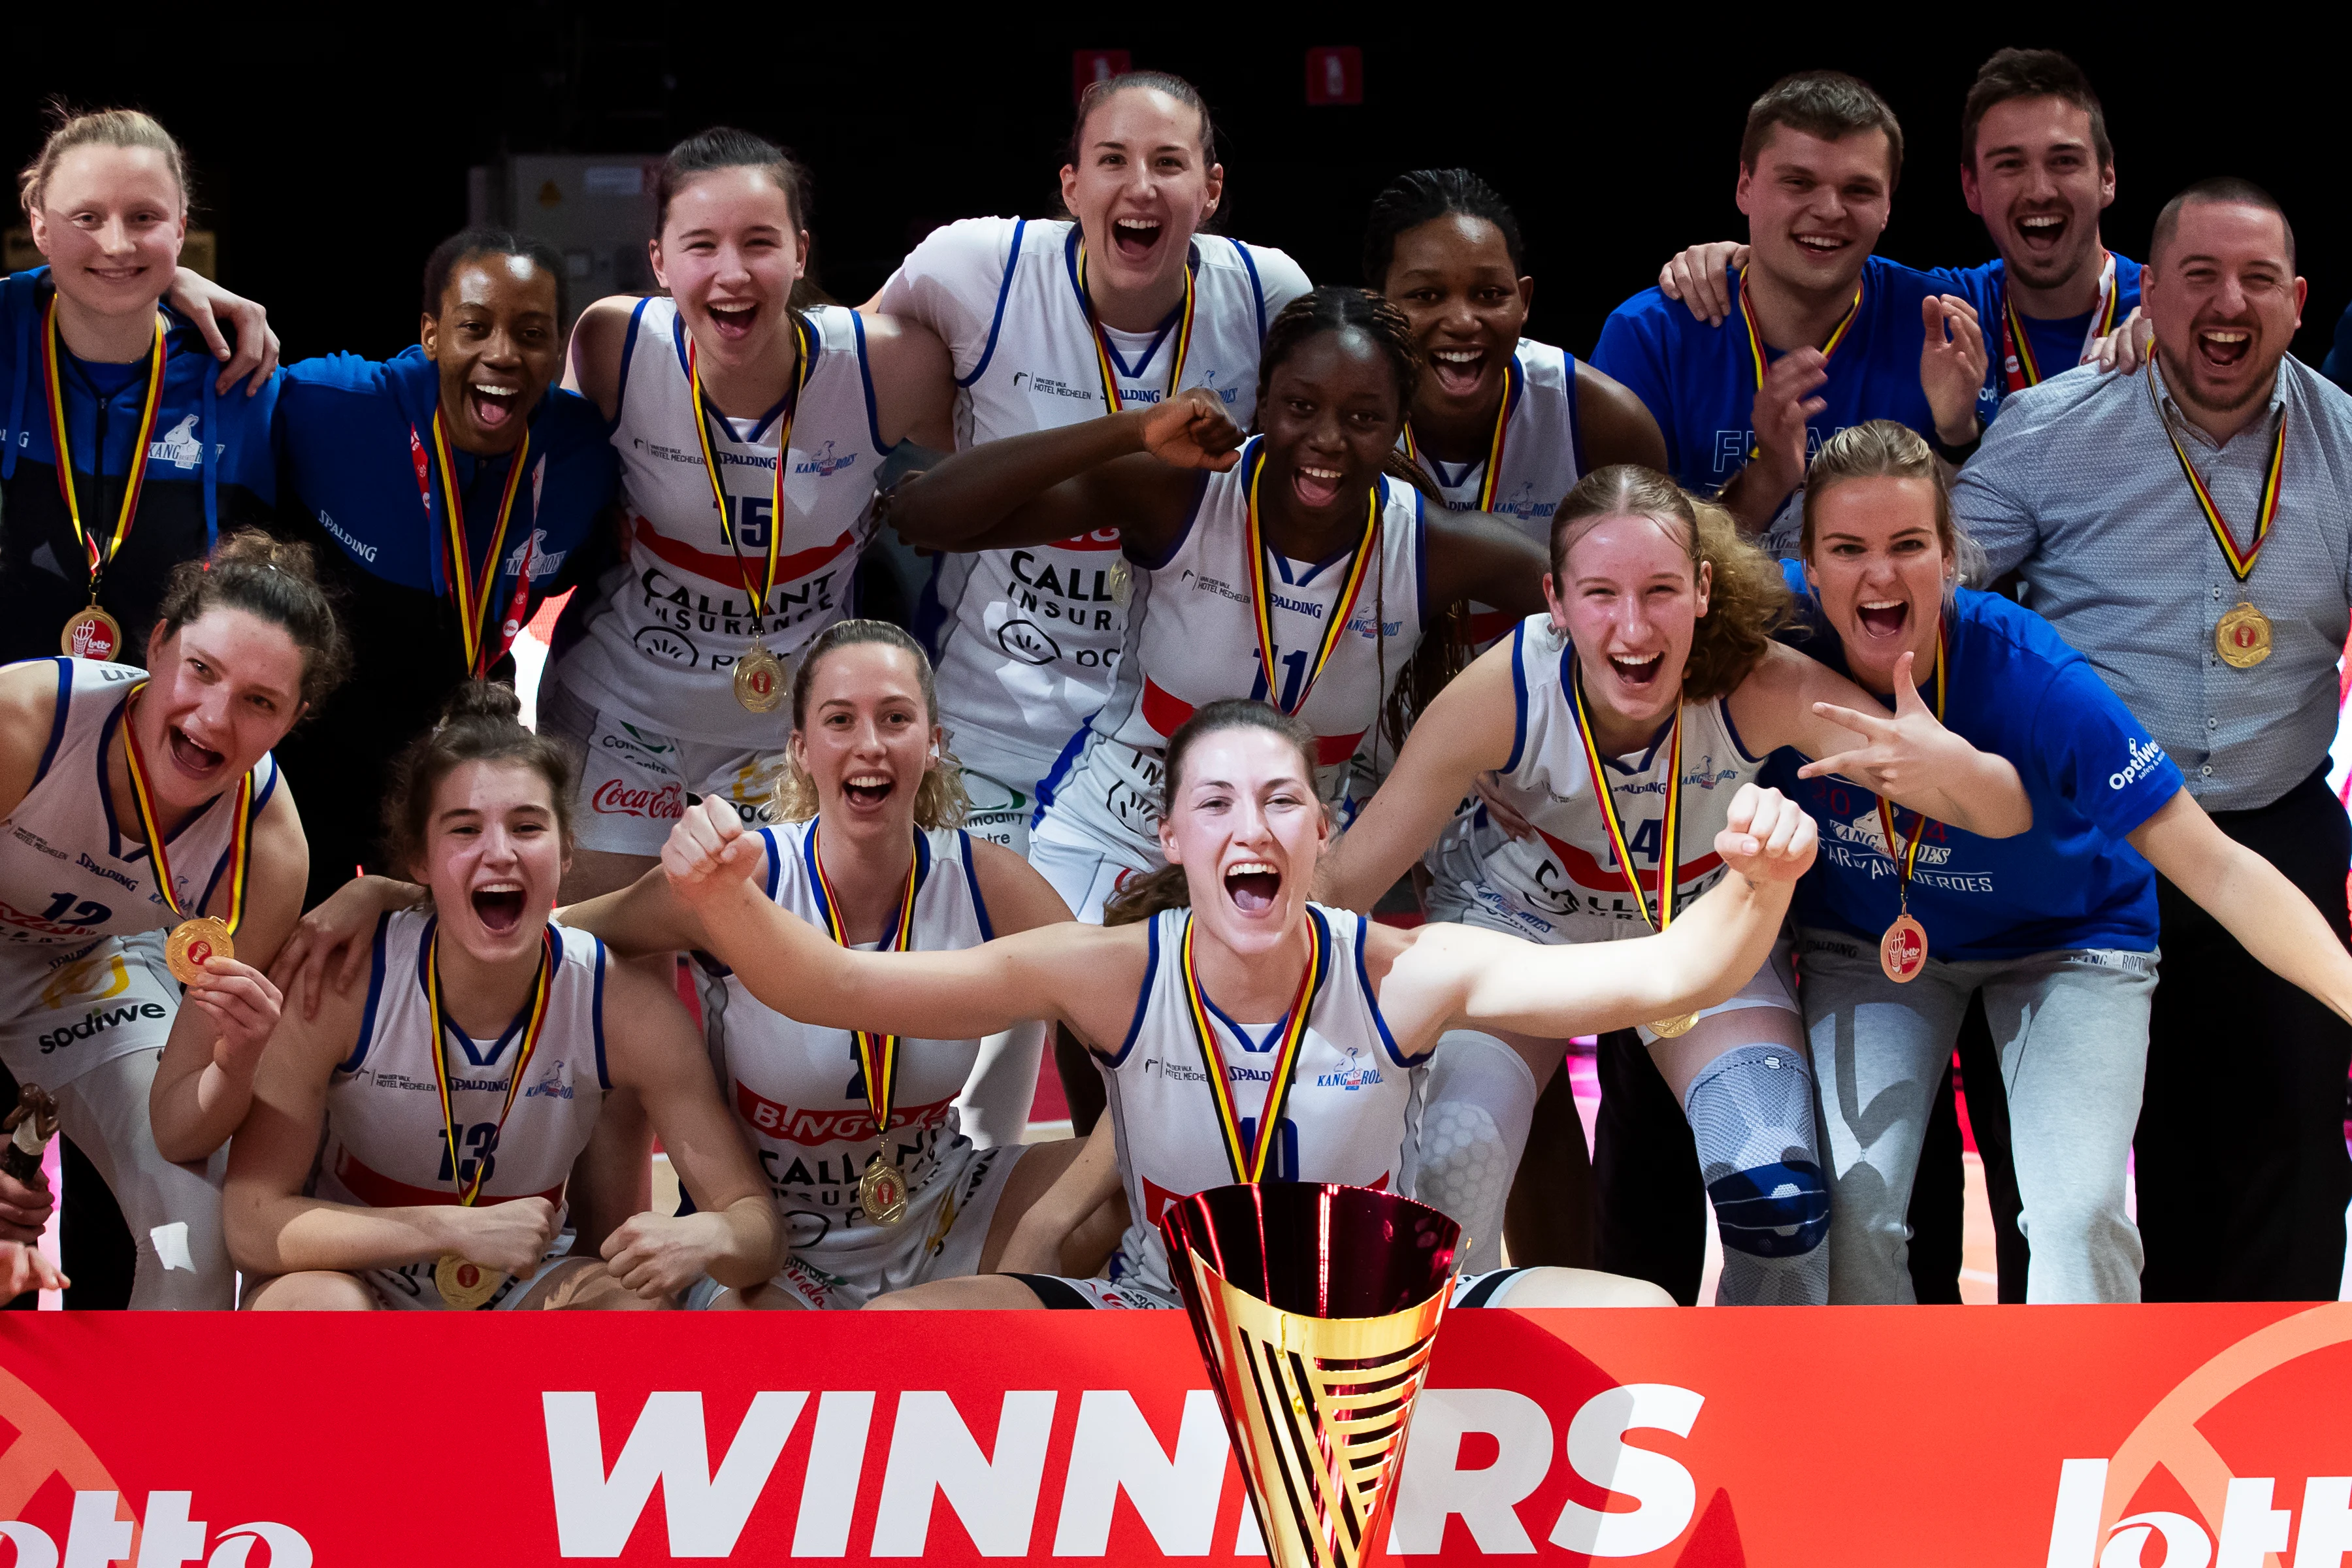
(331, 160)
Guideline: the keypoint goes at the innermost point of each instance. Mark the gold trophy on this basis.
(1317, 1308)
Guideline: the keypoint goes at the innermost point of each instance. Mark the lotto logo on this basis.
(613, 798)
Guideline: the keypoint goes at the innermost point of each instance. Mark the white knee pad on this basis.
(1477, 1102)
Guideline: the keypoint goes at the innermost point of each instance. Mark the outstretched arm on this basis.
(1133, 471)
(2268, 914)
(800, 973)
(1494, 980)
(1908, 757)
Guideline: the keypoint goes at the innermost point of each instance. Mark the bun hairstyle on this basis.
(940, 799)
(1141, 898)
(1424, 196)
(482, 723)
(271, 579)
(1747, 600)
(101, 128)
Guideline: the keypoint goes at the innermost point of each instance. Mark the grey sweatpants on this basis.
(2072, 1030)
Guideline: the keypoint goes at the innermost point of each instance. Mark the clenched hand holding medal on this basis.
(198, 938)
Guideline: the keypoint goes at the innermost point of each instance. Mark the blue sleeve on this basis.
(1631, 352)
(2095, 755)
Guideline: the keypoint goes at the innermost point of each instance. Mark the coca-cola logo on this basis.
(615, 798)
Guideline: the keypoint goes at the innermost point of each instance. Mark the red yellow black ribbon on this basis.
(471, 590)
(1755, 351)
(1247, 1157)
(877, 1054)
(142, 797)
(1105, 366)
(2241, 561)
(1907, 854)
(1487, 486)
(2017, 350)
(542, 987)
(96, 555)
(783, 460)
(1670, 831)
(1262, 601)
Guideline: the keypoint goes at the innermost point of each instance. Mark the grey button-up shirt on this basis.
(2077, 489)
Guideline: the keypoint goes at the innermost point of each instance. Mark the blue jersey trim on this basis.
(971, 880)
(1575, 419)
(1004, 292)
(1518, 697)
(1257, 287)
(1062, 761)
(56, 719)
(1373, 1002)
(376, 995)
(1420, 561)
(865, 377)
(1143, 994)
(775, 862)
(628, 352)
(1723, 706)
(596, 1011)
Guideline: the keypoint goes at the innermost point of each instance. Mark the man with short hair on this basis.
(2189, 530)
(1829, 335)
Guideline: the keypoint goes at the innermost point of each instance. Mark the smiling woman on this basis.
(138, 803)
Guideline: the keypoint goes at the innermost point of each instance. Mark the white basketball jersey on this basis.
(660, 648)
(1194, 640)
(797, 1089)
(69, 873)
(1543, 456)
(385, 1145)
(1026, 639)
(1352, 1098)
(1566, 884)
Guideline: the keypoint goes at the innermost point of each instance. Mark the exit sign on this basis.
(1335, 74)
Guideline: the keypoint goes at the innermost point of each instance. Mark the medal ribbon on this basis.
(142, 796)
(473, 591)
(1907, 854)
(1262, 601)
(702, 417)
(2017, 350)
(1486, 486)
(1248, 1164)
(2241, 561)
(542, 987)
(1670, 831)
(1106, 365)
(1756, 349)
(877, 1054)
(100, 555)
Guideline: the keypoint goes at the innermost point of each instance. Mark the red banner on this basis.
(2072, 1437)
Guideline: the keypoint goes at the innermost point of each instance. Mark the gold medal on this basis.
(1903, 951)
(194, 943)
(1674, 1029)
(463, 1284)
(882, 1191)
(760, 679)
(94, 634)
(1123, 583)
(2244, 636)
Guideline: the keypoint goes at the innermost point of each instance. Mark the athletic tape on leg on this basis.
(1751, 1114)
(1479, 1102)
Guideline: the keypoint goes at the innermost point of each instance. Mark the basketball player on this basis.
(1619, 725)
(151, 843)
(749, 431)
(1051, 322)
(351, 1189)
(1238, 957)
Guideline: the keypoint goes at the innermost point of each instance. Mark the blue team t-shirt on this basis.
(1700, 380)
(344, 425)
(2056, 344)
(2093, 771)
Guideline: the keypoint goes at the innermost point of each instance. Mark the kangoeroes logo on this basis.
(615, 798)
(46, 1448)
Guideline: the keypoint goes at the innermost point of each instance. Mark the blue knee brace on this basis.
(1751, 1114)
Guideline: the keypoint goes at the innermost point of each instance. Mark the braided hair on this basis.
(1424, 196)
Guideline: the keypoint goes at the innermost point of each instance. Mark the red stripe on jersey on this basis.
(845, 1124)
(1586, 872)
(378, 1191)
(1166, 712)
(724, 568)
(1100, 539)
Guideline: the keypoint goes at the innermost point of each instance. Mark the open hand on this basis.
(1952, 365)
(2127, 348)
(1696, 278)
(23, 1268)
(205, 302)
(332, 946)
(1908, 746)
